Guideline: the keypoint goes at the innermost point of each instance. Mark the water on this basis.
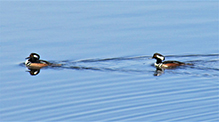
(104, 49)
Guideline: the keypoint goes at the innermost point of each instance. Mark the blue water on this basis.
(106, 73)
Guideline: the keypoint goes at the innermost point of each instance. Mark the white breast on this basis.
(27, 62)
(158, 65)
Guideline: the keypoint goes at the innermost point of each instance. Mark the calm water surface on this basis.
(106, 73)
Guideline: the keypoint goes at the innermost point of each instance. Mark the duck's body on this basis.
(170, 64)
(34, 62)
(166, 64)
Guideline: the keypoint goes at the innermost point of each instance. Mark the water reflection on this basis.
(158, 72)
(33, 72)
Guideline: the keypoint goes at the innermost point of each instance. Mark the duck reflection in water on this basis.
(158, 72)
(34, 71)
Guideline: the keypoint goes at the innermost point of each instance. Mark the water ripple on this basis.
(208, 63)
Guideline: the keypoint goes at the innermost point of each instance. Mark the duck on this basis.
(34, 62)
(166, 64)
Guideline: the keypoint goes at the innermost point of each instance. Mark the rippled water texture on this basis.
(106, 73)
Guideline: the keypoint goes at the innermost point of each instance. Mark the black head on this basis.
(158, 56)
(34, 57)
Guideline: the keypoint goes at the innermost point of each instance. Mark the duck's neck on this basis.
(34, 60)
(159, 61)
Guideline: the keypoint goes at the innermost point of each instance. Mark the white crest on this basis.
(160, 57)
(35, 56)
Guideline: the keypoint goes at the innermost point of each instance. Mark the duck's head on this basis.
(34, 56)
(158, 56)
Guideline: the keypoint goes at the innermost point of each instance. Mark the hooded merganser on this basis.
(34, 62)
(166, 64)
